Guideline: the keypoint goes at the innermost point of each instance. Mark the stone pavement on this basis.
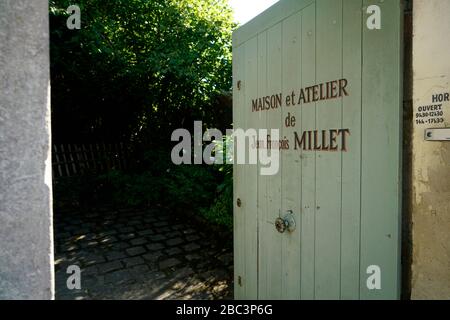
(139, 254)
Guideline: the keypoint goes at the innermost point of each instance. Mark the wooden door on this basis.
(340, 176)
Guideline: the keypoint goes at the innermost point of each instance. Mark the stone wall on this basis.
(430, 160)
(26, 245)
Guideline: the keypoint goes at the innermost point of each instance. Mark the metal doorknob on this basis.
(286, 223)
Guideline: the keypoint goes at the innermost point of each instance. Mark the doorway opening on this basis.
(128, 223)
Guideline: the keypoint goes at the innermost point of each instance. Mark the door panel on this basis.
(263, 242)
(290, 168)
(251, 176)
(238, 178)
(271, 281)
(381, 151)
(328, 164)
(351, 161)
(308, 159)
(345, 203)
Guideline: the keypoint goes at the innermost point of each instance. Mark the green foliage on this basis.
(75, 191)
(224, 150)
(190, 187)
(138, 67)
(221, 211)
(180, 188)
(131, 189)
(137, 70)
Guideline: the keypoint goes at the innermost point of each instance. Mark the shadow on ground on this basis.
(139, 254)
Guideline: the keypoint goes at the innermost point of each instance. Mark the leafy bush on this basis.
(182, 187)
(221, 211)
(138, 69)
(130, 189)
(204, 190)
(81, 191)
(190, 187)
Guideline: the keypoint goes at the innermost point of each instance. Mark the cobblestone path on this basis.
(133, 254)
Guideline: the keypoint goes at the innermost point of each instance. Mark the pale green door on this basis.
(341, 175)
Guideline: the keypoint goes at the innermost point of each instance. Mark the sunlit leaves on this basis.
(164, 61)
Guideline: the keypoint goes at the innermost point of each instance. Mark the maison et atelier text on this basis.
(312, 140)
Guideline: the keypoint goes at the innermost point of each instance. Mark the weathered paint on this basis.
(430, 160)
(346, 203)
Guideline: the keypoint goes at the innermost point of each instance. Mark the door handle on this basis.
(286, 223)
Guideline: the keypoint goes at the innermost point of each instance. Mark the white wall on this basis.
(431, 160)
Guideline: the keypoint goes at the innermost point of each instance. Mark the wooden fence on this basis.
(76, 159)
